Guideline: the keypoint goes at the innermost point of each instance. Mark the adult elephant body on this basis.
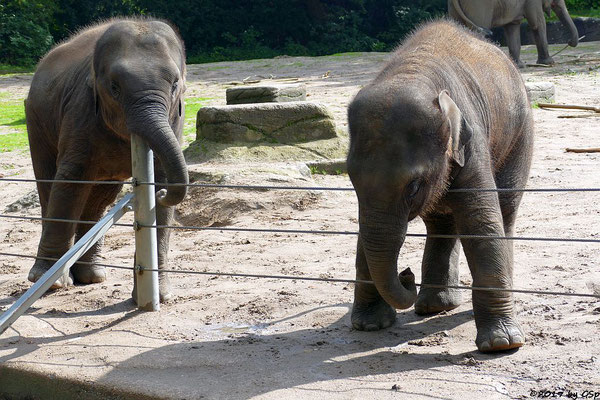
(449, 111)
(88, 96)
(483, 15)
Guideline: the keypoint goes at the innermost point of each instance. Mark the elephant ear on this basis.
(91, 82)
(460, 130)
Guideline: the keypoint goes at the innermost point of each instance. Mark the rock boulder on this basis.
(293, 122)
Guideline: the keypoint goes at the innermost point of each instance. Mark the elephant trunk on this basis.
(150, 122)
(382, 236)
(560, 9)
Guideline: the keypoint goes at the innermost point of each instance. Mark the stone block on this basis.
(540, 91)
(266, 94)
(293, 122)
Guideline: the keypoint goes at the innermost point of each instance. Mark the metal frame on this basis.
(143, 202)
(64, 263)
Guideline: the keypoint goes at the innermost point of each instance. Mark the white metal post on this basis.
(146, 253)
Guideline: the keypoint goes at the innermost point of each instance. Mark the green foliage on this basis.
(218, 30)
(72, 15)
(582, 4)
(24, 30)
(12, 120)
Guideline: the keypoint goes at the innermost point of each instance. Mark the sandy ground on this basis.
(242, 338)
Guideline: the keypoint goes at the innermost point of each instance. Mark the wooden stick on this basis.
(591, 150)
(580, 116)
(570, 107)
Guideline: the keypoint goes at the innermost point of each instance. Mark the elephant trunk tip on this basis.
(407, 280)
(404, 295)
(574, 42)
(172, 197)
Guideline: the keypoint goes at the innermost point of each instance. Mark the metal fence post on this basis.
(146, 253)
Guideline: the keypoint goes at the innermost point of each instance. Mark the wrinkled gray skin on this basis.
(88, 96)
(449, 111)
(482, 15)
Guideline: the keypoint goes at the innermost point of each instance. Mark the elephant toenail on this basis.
(501, 342)
(485, 346)
(518, 339)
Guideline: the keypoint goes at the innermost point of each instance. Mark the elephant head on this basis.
(403, 143)
(560, 9)
(138, 79)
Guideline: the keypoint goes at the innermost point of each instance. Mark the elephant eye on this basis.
(174, 88)
(115, 90)
(412, 189)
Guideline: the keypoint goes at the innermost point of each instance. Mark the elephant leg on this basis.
(439, 267)
(164, 216)
(100, 197)
(369, 312)
(537, 22)
(490, 262)
(512, 33)
(65, 201)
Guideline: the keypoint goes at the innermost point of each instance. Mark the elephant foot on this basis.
(164, 289)
(498, 334)
(431, 301)
(372, 316)
(520, 64)
(41, 267)
(86, 274)
(546, 61)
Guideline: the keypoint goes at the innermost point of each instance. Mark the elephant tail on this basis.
(462, 17)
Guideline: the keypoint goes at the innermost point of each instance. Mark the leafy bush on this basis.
(24, 31)
(217, 30)
(582, 4)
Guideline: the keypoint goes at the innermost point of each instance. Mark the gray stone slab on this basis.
(540, 91)
(293, 122)
(266, 94)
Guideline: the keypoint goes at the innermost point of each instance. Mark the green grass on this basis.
(192, 105)
(6, 69)
(217, 67)
(593, 13)
(12, 118)
(348, 54)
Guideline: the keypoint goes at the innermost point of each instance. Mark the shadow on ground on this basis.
(254, 364)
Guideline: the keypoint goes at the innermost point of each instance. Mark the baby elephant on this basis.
(88, 96)
(449, 111)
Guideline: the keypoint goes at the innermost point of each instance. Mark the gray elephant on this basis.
(88, 96)
(482, 15)
(449, 111)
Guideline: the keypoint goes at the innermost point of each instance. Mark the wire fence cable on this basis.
(315, 279)
(275, 187)
(311, 232)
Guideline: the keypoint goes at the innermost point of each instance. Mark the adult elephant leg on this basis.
(66, 201)
(439, 267)
(512, 33)
(369, 312)
(100, 197)
(537, 23)
(490, 262)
